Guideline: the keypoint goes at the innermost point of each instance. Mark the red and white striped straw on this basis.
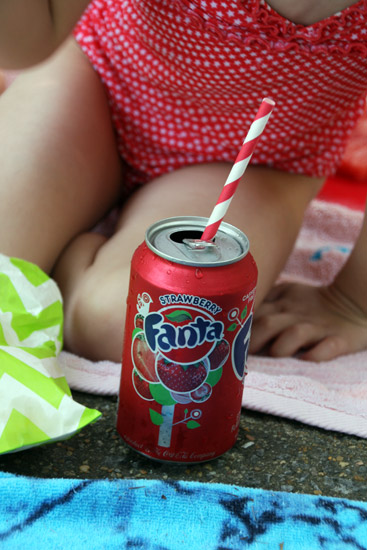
(238, 169)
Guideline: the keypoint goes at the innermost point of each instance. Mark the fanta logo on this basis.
(182, 335)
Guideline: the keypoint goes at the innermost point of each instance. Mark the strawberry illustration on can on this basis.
(188, 322)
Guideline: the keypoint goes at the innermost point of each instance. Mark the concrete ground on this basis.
(271, 453)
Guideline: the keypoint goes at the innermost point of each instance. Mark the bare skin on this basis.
(2, 82)
(49, 105)
(31, 30)
(308, 12)
(68, 185)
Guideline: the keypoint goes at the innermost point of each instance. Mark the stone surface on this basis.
(271, 453)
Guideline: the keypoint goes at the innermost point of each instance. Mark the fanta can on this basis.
(188, 321)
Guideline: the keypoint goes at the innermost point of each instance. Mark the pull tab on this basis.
(190, 246)
(198, 244)
(202, 250)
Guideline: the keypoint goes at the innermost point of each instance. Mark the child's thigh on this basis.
(268, 207)
(60, 170)
(260, 201)
(97, 296)
(189, 191)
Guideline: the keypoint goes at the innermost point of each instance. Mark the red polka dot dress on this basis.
(185, 78)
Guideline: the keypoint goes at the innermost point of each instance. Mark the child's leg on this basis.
(59, 169)
(93, 273)
(2, 82)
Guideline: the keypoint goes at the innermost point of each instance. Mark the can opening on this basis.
(179, 240)
(180, 236)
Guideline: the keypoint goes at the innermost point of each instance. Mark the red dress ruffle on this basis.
(185, 78)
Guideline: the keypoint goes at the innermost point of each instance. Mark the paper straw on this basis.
(238, 169)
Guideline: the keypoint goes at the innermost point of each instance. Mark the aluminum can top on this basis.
(178, 240)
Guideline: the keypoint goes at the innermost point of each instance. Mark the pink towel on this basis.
(330, 395)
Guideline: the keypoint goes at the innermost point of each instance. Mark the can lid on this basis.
(178, 240)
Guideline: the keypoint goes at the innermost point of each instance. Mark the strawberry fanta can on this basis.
(188, 323)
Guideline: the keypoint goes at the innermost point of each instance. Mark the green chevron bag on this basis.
(36, 405)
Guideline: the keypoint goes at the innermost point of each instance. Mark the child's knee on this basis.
(94, 318)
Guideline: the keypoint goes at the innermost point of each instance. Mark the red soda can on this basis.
(188, 322)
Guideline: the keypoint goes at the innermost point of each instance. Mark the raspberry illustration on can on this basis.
(189, 313)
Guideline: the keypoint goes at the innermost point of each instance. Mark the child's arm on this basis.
(31, 30)
(327, 322)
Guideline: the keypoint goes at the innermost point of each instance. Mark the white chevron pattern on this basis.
(19, 392)
(35, 299)
(54, 422)
(36, 339)
(49, 367)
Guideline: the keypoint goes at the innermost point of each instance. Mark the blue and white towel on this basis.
(58, 514)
